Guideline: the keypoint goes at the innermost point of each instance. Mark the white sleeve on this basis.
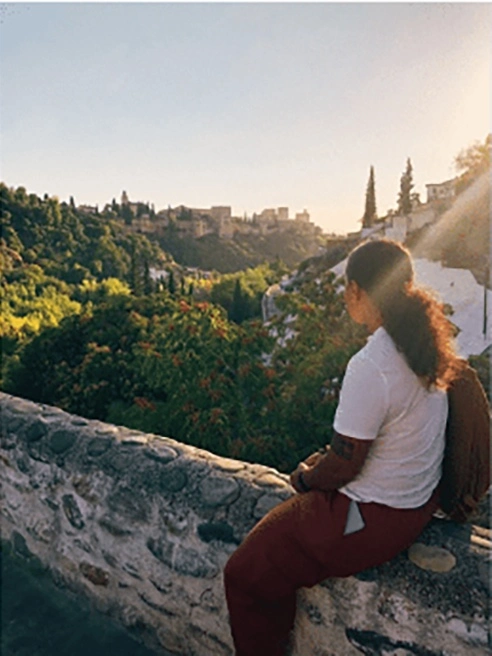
(363, 400)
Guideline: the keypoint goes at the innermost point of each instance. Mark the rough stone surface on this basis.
(143, 526)
(94, 574)
(219, 490)
(434, 559)
(130, 504)
(98, 445)
(62, 440)
(173, 479)
(72, 511)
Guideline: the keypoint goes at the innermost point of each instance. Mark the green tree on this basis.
(406, 185)
(171, 284)
(126, 214)
(148, 286)
(239, 308)
(370, 213)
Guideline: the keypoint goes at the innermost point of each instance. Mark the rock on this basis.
(434, 559)
(160, 453)
(98, 446)
(172, 479)
(72, 511)
(94, 574)
(62, 440)
(36, 431)
(128, 503)
(120, 460)
(269, 478)
(219, 490)
(228, 464)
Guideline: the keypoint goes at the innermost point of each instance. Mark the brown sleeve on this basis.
(343, 461)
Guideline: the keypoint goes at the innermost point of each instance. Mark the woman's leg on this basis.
(264, 573)
(298, 544)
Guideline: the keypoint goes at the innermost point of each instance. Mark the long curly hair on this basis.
(413, 318)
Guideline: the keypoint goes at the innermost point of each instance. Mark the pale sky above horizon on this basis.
(250, 105)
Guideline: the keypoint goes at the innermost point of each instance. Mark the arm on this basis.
(342, 462)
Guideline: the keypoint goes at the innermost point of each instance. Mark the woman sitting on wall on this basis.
(367, 496)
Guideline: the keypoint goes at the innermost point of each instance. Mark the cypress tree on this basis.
(171, 285)
(147, 280)
(406, 184)
(238, 309)
(370, 213)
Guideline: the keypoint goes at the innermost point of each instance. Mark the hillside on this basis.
(243, 251)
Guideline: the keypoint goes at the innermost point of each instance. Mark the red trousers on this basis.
(298, 544)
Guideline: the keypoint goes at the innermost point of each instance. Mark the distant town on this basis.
(195, 223)
(198, 222)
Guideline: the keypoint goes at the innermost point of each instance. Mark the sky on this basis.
(252, 105)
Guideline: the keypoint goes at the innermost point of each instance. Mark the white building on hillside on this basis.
(441, 191)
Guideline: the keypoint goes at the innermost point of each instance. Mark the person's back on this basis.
(406, 420)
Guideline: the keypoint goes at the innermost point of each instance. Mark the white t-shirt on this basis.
(383, 400)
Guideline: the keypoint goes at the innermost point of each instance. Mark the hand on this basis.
(313, 458)
(294, 477)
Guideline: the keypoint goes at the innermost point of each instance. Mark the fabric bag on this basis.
(466, 466)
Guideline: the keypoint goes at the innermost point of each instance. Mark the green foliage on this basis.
(183, 369)
(68, 244)
(83, 329)
(313, 361)
(243, 251)
(240, 293)
(31, 302)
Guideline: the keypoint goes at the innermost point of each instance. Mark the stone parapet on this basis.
(143, 525)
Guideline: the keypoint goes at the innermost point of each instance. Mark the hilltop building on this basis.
(197, 222)
(442, 190)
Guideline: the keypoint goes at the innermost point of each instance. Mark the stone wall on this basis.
(143, 526)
